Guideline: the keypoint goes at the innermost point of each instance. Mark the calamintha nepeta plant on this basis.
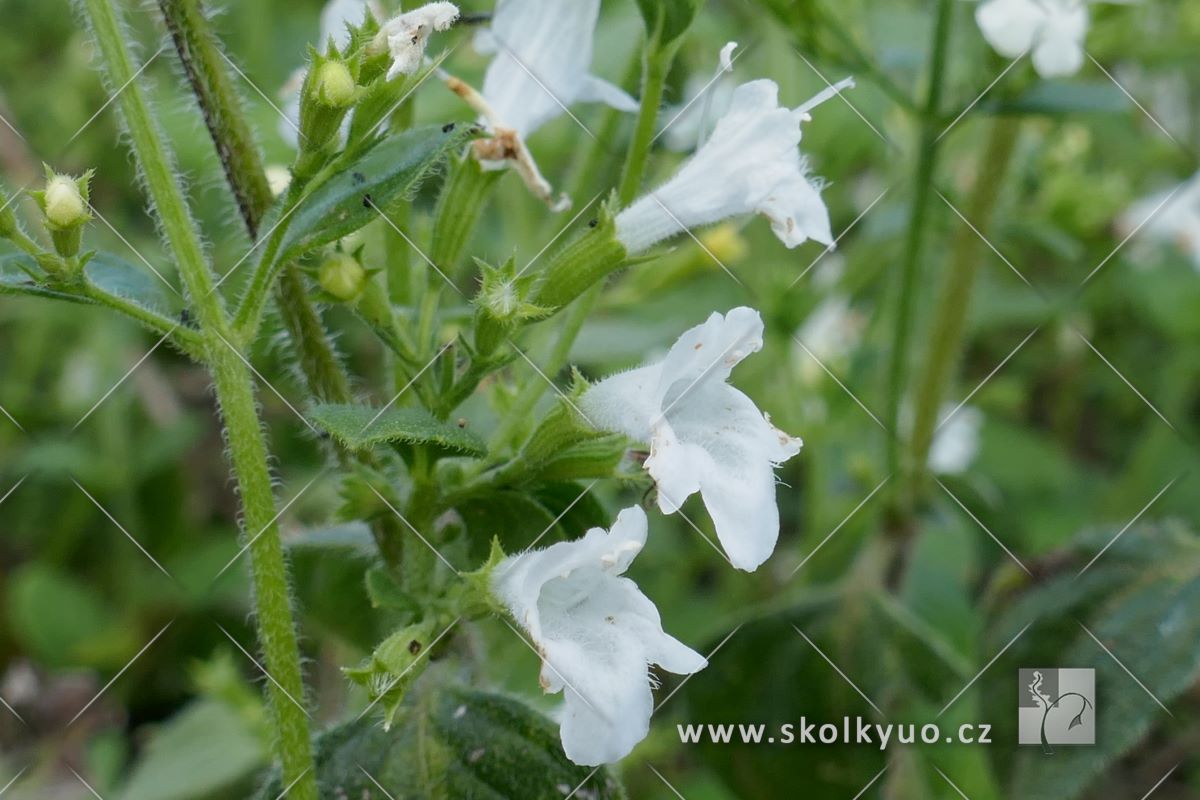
(335, 233)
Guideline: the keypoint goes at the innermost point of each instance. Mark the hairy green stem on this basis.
(235, 396)
(946, 332)
(655, 66)
(931, 127)
(272, 600)
(199, 51)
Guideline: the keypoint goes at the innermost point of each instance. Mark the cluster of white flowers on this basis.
(597, 633)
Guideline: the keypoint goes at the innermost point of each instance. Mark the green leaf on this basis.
(63, 621)
(384, 176)
(1155, 632)
(327, 572)
(667, 20)
(116, 277)
(453, 744)
(202, 750)
(14, 279)
(362, 427)
(1061, 97)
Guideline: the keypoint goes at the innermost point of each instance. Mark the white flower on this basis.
(1053, 29)
(543, 55)
(704, 435)
(408, 34)
(1170, 216)
(597, 635)
(751, 163)
(956, 442)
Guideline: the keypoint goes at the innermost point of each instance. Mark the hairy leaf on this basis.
(375, 183)
(452, 744)
(361, 427)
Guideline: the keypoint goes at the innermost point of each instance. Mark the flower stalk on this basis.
(655, 67)
(946, 333)
(931, 125)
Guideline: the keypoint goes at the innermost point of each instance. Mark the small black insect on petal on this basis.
(359, 177)
(414, 647)
(593, 223)
(367, 201)
(448, 127)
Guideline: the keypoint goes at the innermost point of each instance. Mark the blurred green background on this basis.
(1086, 395)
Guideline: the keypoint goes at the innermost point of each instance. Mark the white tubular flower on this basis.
(1054, 30)
(1171, 216)
(408, 34)
(543, 54)
(597, 635)
(704, 435)
(751, 163)
(956, 443)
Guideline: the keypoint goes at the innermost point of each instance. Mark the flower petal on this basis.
(543, 54)
(797, 213)
(735, 449)
(1059, 49)
(1010, 26)
(598, 90)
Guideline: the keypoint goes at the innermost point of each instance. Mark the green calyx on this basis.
(330, 89)
(503, 305)
(586, 261)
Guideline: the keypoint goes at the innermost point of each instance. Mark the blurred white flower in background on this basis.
(597, 635)
(542, 62)
(704, 435)
(1171, 216)
(956, 442)
(1054, 30)
(750, 164)
(829, 334)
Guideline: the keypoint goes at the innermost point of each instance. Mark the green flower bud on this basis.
(342, 277)
(334, 86)
(330, 90)
(64, 202)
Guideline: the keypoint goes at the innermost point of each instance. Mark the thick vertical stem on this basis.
(235, 395)
(945, 339)
(272, 600)
(914, 244)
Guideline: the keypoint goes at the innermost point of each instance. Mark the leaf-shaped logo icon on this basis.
(1077, 721)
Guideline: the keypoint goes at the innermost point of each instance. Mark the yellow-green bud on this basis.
(342, 276)
(63, 204)
(334, 85)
